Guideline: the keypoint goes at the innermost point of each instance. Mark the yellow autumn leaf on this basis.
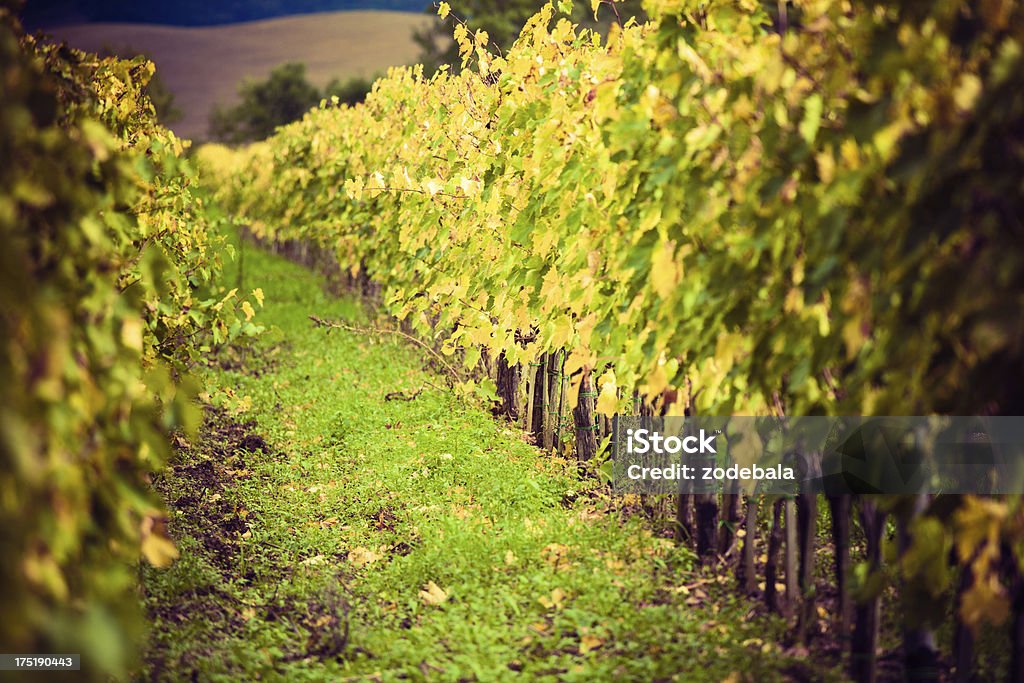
(985, 601)
(826, 166)
(977, 523)
(590, 642)
(258, 295)
(468, 186)
(551, 288)
(131, 333)
(966, 92)
(460, 34)
(353, 188)
(562, 332)
(585, 329)
(432, 594)
(444, 10)
(555, 600)
(248, 310)
(42, 570)
(853, 337)
(608, 400)
(664, 272)
(576, 361)
(544, 241)
(156, 546)
(432, 186)
(658, 379)
(794, 302)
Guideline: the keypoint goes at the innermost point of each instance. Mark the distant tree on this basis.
(284, 97)
(350, 92)
(503, 20)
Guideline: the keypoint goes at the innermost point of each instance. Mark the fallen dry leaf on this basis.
(432, 594)
(361, 557)
(555, 554)
(590, 642)
(556, 599)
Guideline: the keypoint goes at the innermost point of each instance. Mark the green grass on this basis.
(306, 560)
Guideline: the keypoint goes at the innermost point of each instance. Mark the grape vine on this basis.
(108, 300)
(744, 216)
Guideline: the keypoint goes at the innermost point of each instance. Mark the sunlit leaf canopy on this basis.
(821, 217)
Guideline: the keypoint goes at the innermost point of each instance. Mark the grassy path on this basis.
(339, 535)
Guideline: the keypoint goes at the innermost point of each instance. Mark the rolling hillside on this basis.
(203, 66)
(44, 13)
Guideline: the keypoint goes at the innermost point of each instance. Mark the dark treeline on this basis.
(280, 99)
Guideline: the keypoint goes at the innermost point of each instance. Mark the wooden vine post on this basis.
(748, 571)
(706, 520)
(508, 378)
(771, 565)
(807, 524)
(840, 507)
(584, 420)
(730, 517)
(553, 387)
(561, 403)
(684, 529)
(963, 638)
(919, 650)
(538, 393)
(1016, 672)
(863, 658)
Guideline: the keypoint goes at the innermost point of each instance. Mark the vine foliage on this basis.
(108, 301)
(755, 214)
